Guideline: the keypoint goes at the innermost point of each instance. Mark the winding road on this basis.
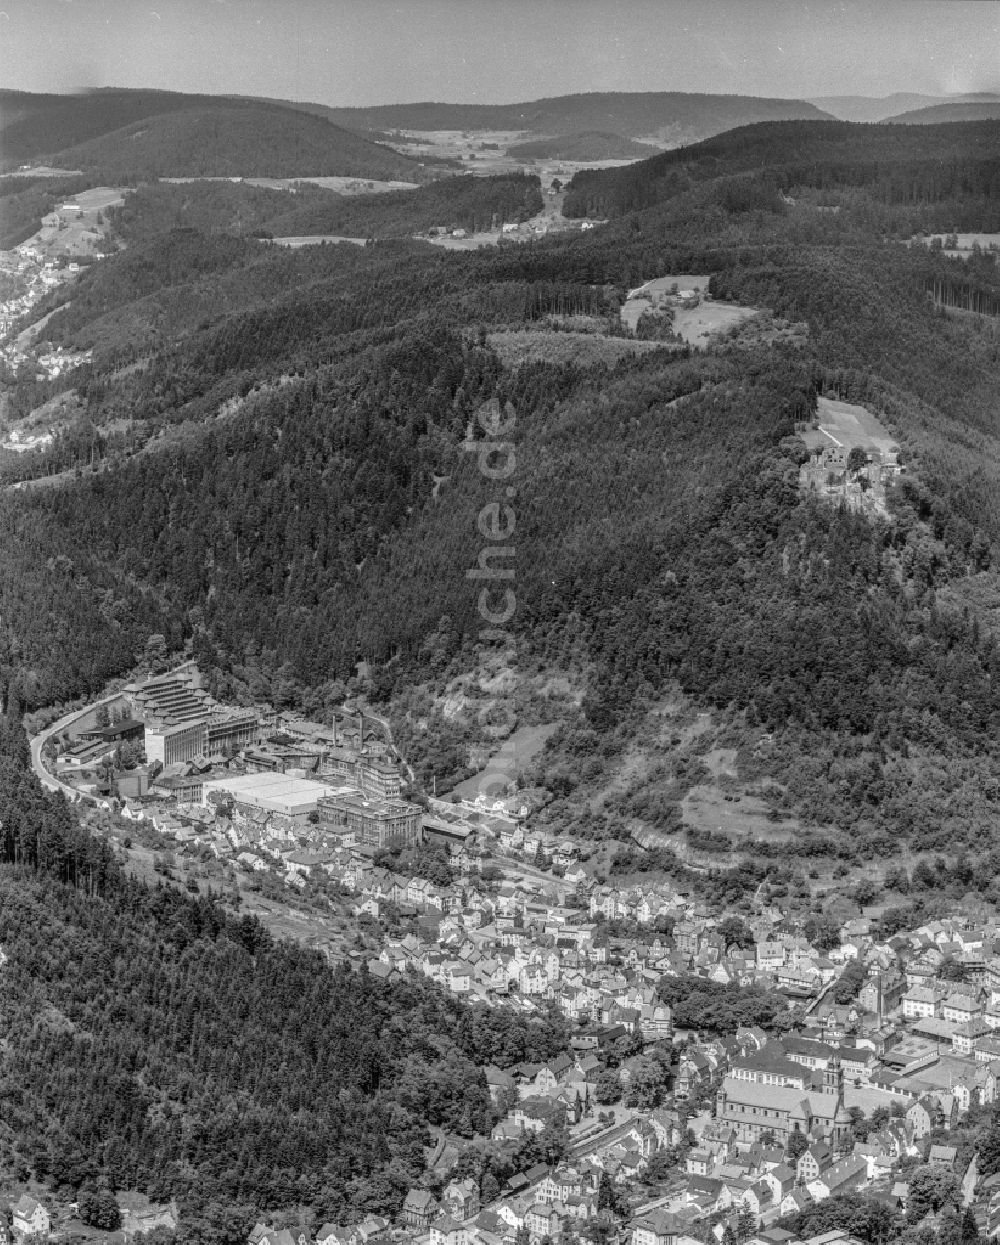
(39, 741)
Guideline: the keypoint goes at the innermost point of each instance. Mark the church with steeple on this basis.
(782, 1091)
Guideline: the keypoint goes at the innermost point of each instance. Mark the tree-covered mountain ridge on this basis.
(124, 136)
(333, 516)
(889, 164)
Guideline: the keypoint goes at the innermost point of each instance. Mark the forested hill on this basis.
(886, 161)
(879, 108)
(245, 140)
(674, 115)
(34, 125)
(315, 504)
(937, 114)
(152, 1042)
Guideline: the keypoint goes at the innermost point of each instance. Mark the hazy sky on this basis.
(383, 51)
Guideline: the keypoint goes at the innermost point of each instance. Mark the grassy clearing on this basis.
(738, 815)
(847, 425)
(698, 325)
(513, 756)
(70, 232)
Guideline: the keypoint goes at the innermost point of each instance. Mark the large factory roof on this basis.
(277, 793)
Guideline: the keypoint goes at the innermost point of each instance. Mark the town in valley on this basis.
(859, 1078)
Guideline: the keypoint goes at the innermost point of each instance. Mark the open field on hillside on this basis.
(77, 225)
(472, 241)
(847, 425)
(737, 815)
(43, 170)
(697, 325)
(317, 239)
(514, 755)
(342, 185)
(485, 152)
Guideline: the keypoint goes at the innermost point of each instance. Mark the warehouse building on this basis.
(271, 793)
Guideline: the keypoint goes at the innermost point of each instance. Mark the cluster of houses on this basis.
(775, 1125)
(27, 278)
(901, 1032)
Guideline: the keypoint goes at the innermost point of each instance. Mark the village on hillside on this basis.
(723, 1072)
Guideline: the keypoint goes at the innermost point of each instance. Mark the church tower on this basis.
(833, 1078)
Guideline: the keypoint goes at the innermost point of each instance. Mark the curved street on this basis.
(38, 742)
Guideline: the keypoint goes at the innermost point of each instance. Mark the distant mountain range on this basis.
(882, 108)
(118, 134)
(986, 110)
(668, 117)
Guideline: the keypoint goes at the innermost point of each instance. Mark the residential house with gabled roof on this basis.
(770, 956)
(458, 977)
(532, 1114)
(699, 1162)
(693, 1070)
(499, 1083)
(29, 1217)
(987, 1049)
(780, 1180)
(843, 1177)
(961, 1008)
(921, 1002)
(658, 1227)
(552, 1074)
(448, 1231)
(543, 1220)
(925, 1115)
(813, 1161)
(289, 1236)
(419, 1208)
(793, 1202)
(966, 1035)
(666, 1123)
(461, 1200)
